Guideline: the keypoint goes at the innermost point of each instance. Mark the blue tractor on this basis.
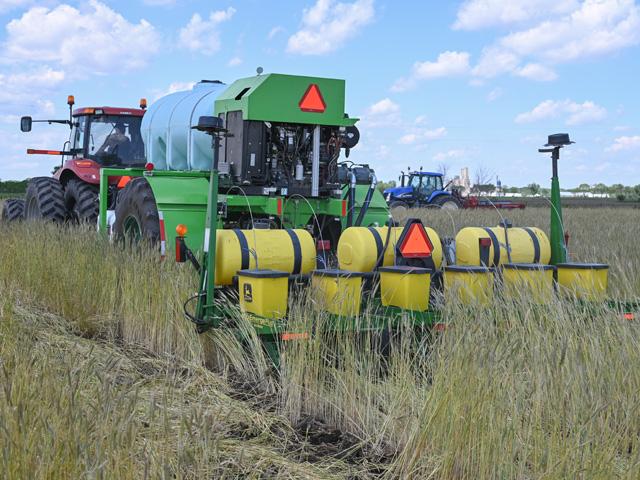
(420, 189)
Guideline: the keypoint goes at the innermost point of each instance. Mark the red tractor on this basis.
(100, 137)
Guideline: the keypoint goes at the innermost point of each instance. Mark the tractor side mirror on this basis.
(25, 124)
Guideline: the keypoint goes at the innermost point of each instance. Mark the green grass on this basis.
(103, 377)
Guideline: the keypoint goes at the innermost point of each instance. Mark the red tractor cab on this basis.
(100, 137)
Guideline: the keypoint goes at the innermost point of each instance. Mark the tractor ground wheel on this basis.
(44, 200)
(447, 202)
(81, 201)
(137, 218)
(13, 210)
(399, 210)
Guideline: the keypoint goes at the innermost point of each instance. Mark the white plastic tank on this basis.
(170, 142)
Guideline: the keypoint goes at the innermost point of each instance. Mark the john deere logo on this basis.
(248, 294)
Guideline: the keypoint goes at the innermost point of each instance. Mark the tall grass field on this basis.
(101, 376)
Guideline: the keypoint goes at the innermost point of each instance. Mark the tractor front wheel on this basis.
(81, 201)
(137, 218)
(12, 210)
(44, 200)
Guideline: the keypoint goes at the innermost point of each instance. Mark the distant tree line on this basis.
(13, 186)
(618, 191)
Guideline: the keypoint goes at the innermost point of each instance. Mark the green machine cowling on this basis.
(281, 161)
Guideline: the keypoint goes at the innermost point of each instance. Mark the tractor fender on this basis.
(437, 194)
(85, 170)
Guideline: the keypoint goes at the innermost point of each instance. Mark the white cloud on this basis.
(494, 94)
(382, 151)
(575, 113)
(420, 120)
(447, 64)
(566, 30)
(625, 143)
(383, 107)
(327, 25)
(422, 135)
(476, 14)
(495, 61)
(408, 138)
(596, 28)
(435, 133)
(274, 31)
(381, 114)
(203, 36)
(62, 36)
(159, 3)
(234, 62)
(173, 88)
(8, 5)
(450, 154)
(24, 93)
(535, 71)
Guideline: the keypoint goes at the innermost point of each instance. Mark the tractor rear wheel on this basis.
(137, 218)
(44, 200)
(81, 201)
(13, 210)
(447, 202)
(399, 210)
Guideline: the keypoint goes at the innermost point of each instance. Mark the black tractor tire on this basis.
(44, 200)
(13, 210)
(137, 218)
(448, 202)
(399, 210)
(81, 201)
(398, 204)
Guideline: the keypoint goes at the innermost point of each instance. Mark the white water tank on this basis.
(170, 142)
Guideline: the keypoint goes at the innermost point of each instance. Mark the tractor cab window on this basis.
(415, 182)
(430, 184)
(116, 141)
(76, 141)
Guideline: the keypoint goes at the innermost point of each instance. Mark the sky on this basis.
(477, 83)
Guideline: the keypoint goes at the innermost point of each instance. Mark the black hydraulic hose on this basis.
(380, 260)
(351, 204)
(505, 225)
(201, 324)
(367, 200)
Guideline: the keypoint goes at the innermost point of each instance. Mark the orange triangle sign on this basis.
(416, 243)
(312, 100)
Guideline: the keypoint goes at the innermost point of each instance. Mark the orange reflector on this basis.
(344, 208)
(312, 100)
(123, 181)
(279, 207)
(416, 243)
(286, 337)
(181, 230)
(84, 163)
(629, 316)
